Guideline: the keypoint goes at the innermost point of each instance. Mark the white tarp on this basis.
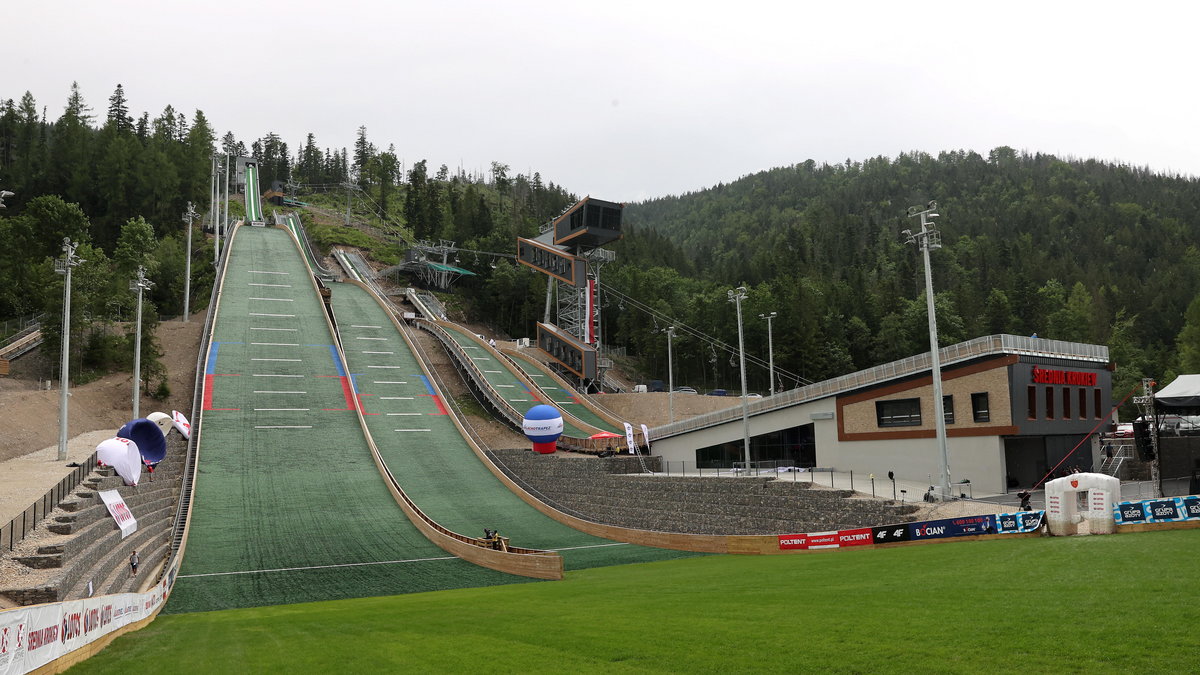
(120, 512)
(1184, 392)
(123, 455)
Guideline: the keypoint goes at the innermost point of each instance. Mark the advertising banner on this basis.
(629, 439)
(822, 540)
(1020, 522)
(1165, 510)
(951, 527)
(857, 537)
(646, 437)
(889, 533)
(788, 542)
(120, 512)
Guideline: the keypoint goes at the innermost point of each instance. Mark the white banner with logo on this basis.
(629, 439)
(120, 512)
(646, 437)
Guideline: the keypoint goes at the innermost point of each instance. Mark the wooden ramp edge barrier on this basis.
(526, 562)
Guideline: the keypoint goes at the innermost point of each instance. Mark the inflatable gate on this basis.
(1064, 514)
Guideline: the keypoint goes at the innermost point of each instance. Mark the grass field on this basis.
(1127, 603)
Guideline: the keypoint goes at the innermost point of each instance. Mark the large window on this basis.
(1096, 403)
(1066, 403)
(948, 408)
(1049, 403)
(1082, 403)
(1031, 401)
(979, 407)
(905, 412)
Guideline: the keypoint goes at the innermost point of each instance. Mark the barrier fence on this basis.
(19, 527)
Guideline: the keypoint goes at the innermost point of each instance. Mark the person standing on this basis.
(133, 563)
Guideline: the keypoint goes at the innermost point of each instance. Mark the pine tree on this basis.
(118, 112)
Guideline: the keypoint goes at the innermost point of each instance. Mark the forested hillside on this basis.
(1073, 250)
(1076, 250)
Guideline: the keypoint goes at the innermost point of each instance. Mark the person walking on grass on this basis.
(133, 563)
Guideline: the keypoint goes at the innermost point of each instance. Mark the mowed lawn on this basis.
(1126, 603)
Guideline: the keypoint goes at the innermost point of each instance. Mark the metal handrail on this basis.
(30, 515)
(983, 346)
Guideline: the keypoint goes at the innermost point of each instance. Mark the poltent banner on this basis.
(120, 512)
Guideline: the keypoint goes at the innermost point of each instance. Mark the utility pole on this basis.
(770, 349)
(225, 218)
(188, 217)
(670, 376)
(928, 239)
(736, 296)
(64, 266)
(141, 283)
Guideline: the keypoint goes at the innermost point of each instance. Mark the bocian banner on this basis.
(31, 637)
(1165, 510)
(1004, 523)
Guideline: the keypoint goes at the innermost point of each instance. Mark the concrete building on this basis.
(1015, 406)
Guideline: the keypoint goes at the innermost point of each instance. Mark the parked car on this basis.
(1123, 430)
(717, 392)
(685, 390)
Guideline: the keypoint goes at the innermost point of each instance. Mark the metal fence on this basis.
(18, 528)
(984, 346)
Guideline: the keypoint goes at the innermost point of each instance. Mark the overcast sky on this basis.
(633, 100)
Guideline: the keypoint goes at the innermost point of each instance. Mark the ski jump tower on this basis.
(569, 253)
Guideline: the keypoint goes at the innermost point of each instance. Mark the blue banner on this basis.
(1165, 510)
(951, 527)
(1019, 522)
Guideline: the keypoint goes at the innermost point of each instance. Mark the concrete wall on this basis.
(978, 458)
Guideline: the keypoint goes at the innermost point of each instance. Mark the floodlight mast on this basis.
(736, 296)
(139, 284)
(770, 351)
(188, 217)
(928, 239)
(64, 266)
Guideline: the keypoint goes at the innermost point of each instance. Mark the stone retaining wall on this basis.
(602, 491)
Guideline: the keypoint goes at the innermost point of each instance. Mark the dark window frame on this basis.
(1096, 397)
(980, 413)
(1050, 403)
(1066, 403)
(1031, 400)
(948, 408)
(903, 412)
(1082, 403)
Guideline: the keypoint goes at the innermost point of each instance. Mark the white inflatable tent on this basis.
(1065, 514)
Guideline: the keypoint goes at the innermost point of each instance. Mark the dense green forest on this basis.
(1075, 250)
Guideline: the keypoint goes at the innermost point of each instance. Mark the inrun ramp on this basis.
(503, 380)
(289, 505)
(562, 396)
(424, 450)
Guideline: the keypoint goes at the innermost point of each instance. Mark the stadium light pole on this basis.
(188, 217)
(141, 283)
(670, 376)
(770, 350)
(736, 296)
(63, 267)
(928, 239)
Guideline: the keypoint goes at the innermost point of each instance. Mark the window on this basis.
(901, 413)
(1082, 403)
(1096, 403)
(948, 408)
(1066, 403)
(1049, 403)
(1031, 397)
(979, 407)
